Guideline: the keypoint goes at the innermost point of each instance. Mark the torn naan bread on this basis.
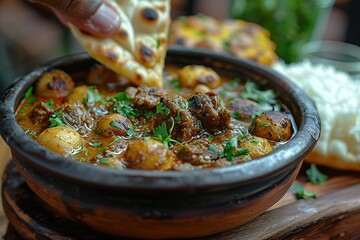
(137, 50)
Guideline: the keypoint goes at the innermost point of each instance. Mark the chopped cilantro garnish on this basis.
(236, 115)
(178, 117)
(211, 137)
(161, 134)
(29, 92)
(99, 131)
(117, 138)
(315, 176)
(213, 148)
(161, 109)
(182, 104)
(103, 160)
(116, 125)
(232, 150)
(255, 140)
(121, 105)
(175, 83)
(264, 125)
(301, 192)
(92, 96)
(266, 99)
(49, 104)
(56, 119)
(95, 144)
(149, 114)
(86, 153)
(131, 131)
(101, 149)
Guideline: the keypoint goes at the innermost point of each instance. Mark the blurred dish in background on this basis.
(292, 23)
(343, 56)
(243, 39)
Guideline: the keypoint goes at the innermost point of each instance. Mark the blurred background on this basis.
(30, 35)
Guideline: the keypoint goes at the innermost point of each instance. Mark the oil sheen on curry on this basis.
(198, 120)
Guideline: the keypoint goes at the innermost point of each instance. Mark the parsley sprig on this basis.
(301, 191)
(315, 176)
(161, 134)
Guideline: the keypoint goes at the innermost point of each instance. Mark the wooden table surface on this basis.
(334, 214)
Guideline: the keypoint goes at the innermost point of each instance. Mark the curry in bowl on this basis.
(200, 119)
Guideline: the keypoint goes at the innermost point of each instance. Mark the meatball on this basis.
(76, 116)
(274, 126)
(198, 151)
(41, 113)
(149, 155)
(208, 108)
(145, 97)
(186, 126)
(244, 108)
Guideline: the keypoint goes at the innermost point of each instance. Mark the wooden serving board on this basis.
(334, 214)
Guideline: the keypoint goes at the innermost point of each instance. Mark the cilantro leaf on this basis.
(49, 104)
(161, 134)
(56, 119)
(266, 99)
(29, 92)
(175, 83)
(161, 109)
(95, 144)
(92, 96)
(314, 175)
(231, 149)
(121, 105)
(302, 193)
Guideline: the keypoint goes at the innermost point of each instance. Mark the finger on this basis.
(102, 23)
(73, 8)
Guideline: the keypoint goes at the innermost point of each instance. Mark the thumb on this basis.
(95, 17)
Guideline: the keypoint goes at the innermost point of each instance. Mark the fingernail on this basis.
(106, 19)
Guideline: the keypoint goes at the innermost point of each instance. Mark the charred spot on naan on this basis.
(147, 55)
(149, 14)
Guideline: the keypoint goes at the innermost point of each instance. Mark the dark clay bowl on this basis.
(153, 204)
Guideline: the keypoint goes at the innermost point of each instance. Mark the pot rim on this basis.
(260, 169)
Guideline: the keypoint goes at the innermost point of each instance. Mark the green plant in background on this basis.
(291, 23)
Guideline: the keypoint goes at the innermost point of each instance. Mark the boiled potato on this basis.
(62, 140)
(78, 94)
(202, 88)
(114, 124)
(55, 84)
(149, 155)
(274, 126)
(192, 75)
(257, 146)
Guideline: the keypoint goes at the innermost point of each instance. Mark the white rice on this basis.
(336, 96)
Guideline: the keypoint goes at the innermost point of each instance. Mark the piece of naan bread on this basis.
(137, 50)
(335, 94)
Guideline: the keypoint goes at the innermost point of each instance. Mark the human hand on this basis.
(96, 17)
